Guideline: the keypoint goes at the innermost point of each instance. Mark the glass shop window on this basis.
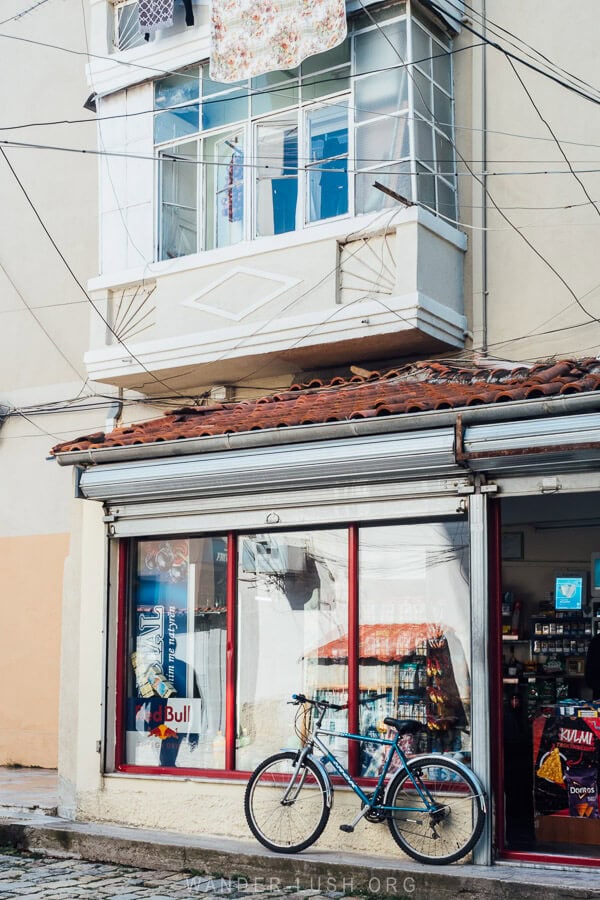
(414, 637)
(175, 695)
(292, 634)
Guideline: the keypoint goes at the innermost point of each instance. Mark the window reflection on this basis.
(328, 149)
(292, 607)
(414, 636)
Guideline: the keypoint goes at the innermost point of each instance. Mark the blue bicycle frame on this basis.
(369, 802)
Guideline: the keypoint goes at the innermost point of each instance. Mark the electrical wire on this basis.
(556, 141)
(515, 226)
(72, 273)
(39, 323)
(493, 27)
(261, 164)
(479, 180)
(435, 8)
(103, 147)
(23, 12)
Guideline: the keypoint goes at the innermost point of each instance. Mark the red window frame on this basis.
(229, 772)
(496, 711)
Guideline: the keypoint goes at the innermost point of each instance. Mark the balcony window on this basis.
(288, 150)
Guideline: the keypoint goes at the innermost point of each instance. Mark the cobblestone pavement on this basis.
(29, 875)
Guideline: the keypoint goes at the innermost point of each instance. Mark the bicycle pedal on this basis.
(347, 828)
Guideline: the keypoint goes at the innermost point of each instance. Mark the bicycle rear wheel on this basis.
(286, 808)
(453, 827)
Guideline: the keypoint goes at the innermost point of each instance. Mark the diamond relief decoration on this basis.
(240, 292)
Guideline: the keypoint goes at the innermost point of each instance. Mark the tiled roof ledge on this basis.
(561, 404)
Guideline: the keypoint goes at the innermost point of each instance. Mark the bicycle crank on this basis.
(375, 815)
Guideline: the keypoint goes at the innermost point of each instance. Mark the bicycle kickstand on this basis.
(350, 828)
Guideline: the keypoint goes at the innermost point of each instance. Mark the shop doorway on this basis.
(548, 612)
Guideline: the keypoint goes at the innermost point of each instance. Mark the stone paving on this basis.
(30, 875)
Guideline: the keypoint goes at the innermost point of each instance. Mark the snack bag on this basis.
(582, 791)
(551, 768)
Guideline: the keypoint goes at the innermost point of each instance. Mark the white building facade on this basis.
(246, 244)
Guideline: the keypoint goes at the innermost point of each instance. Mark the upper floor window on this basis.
(127, 32)
(289, 149)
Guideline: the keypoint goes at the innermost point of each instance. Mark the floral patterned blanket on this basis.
(252, 37)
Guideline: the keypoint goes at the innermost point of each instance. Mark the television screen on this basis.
(569, 592)
(595, 586)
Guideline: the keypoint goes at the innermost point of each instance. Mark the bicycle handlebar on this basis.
(298, 699)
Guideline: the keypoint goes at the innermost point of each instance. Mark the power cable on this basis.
(113, 59)
(479, 180)
(261, 164)
(435, 8)
(41, 325)
(23, 12)
(556, 141)
(249, 93)
(493, 27)
(103, 147)
(73, 275)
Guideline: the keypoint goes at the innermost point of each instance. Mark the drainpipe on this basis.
(484, 217)
(115, 411)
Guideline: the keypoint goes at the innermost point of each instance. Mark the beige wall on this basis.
(31, 578)
(44, 331)
(526, 299)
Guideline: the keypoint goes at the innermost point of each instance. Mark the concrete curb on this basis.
(232, 863)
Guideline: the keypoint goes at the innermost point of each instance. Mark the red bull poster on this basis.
(177, 645)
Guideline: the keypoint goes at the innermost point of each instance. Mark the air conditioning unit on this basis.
(270, 557)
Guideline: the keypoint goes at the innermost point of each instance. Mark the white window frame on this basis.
(250, 127)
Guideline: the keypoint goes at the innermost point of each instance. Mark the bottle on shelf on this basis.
(515, 618)
(532, 699)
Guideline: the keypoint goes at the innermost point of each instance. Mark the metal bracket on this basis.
(549, 486)
(489, 488)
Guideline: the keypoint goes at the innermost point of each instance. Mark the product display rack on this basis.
(402, 679)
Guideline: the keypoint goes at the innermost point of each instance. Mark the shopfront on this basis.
(442, 573)
(547, 615)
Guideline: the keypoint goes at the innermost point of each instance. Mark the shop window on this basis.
(548, 617)
(414, 636)
(221, 631)
(292, 634)
(176, 644)
(289, 149)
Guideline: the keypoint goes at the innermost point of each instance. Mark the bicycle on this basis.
(434, 806)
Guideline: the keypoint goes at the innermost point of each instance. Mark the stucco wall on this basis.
(531, 313)
(31, 576)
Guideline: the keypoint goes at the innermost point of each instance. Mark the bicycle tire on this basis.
(450, 833)
(293, 825)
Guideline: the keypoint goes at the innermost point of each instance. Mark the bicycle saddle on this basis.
(404, 726)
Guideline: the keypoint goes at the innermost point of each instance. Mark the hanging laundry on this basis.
(155, 14)
(189, 12)
(251, 37)
(233, 198)
(158, 14)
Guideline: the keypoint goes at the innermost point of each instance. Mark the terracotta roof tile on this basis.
(434, 385)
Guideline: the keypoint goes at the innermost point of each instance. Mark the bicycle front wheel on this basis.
(452, 827)
(286, 806)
